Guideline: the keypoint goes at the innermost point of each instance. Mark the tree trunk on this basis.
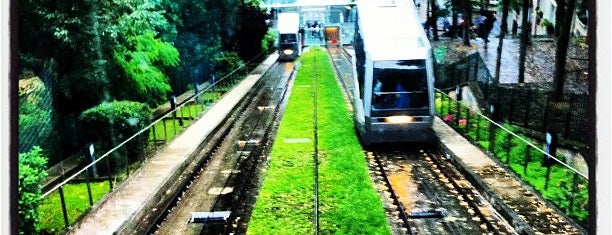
(455, 23)
(562, 46)
(467, 20)
(559, 16)
(434, 15)
(524, 40)
(502, 34)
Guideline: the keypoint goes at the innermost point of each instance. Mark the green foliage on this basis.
(34, 114)
(32, 171)
(549, 26)
(110, 123)
(581, 42)
(267, 44)
(144, 67)
(225, 63)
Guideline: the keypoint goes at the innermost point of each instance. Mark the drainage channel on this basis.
(218, 198)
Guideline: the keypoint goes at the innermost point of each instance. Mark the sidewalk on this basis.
(129, 203)
(516, 202)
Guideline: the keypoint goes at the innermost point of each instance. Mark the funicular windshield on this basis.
(288, 41)
(399, 87)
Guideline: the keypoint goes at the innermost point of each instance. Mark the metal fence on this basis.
(75, 187)
(555, 177)
(532, 107)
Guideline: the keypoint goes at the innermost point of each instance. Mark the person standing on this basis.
(488, 26)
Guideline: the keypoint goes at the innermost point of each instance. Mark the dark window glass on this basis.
(399, 85)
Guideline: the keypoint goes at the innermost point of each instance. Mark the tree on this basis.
(32, 171)
(467, 21)
(524, 40)
(560, 15)
(434, 19)
(502, 35)
(561, 55)
(57, 41)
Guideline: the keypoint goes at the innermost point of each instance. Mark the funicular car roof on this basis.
(392, 31)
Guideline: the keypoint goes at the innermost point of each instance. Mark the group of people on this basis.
(314, 28)
(482, 26)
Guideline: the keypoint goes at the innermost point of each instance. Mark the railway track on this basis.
(430, 195)
(219, 196)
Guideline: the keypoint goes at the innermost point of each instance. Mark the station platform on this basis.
(501, 188)
(126, 206)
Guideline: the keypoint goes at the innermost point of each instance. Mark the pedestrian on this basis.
(488, 26)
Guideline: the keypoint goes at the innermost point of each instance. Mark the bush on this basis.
(110, 123)
(268, 42)
(32, 171)
(225, 63)
(549, 26)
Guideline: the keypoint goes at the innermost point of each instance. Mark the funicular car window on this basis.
(399, 85)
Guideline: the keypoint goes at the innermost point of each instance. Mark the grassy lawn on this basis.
(77, 202)
(348, 204)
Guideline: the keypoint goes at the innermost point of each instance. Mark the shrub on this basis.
(110, 123)
(268, 42)
(225, 63)
(32, 170)
(549, 26)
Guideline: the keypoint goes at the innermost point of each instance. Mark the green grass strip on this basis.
(348, 203)
(77, 203)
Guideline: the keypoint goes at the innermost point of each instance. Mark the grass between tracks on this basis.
(348, 203)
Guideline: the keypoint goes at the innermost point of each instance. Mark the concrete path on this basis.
(501, 189)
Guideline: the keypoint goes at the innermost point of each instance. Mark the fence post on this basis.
(165, 130)
(546, 111)
(110, 172)
(126, 159)
(458, 111)
(551, 149)
(63, 202)
(196, 90)
(93, 171)
(467, 121)
(508, 147)
(90, 153)
(573, 196)
(448, 107)
(477, 127)
(88, 189)
(527, 159)
(174, 116)
(492, 129)
(547, 177)
(154, 134)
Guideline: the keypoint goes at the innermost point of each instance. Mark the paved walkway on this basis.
(505, 192)
(122, 206)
